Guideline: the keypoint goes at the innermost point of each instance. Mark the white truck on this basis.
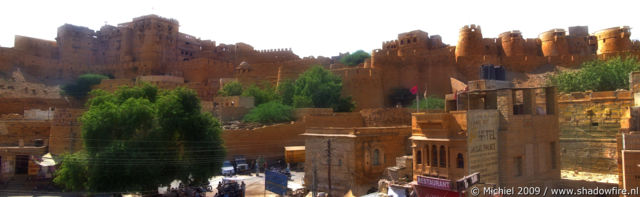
(227, 169)
(241, 164)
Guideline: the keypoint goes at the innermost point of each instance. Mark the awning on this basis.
(422, 191)
(46, 160)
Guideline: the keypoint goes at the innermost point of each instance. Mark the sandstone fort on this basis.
(534, 130)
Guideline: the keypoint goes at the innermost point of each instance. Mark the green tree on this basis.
(271, 112)
(285, 90)
(72, 174)
(82, 85)
(429, 103)
(320, 87)
(355, 58)
(261, 95)
(233, 88)
(139, 138)
(597, 75)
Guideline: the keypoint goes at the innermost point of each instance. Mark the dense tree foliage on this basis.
(355, 58)
(271, 112)
(429, 103)
(285, 90)
(261, 95)
(138, 138)
(317, 87)
(597, 75)
(72, 174)
(82, 85)
(233, 88)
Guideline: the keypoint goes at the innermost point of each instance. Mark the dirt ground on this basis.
(589, 176)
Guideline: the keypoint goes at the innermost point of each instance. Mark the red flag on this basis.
(414, 90)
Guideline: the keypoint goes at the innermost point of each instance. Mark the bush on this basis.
(318, 87)
(231, 89)
(261, 95)
(429, 103)
(82, 85)
(355, 58)
(597, 75)
(271, 112)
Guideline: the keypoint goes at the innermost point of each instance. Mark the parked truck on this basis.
(241, 165)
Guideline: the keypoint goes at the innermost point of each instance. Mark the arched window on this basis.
(418, 157)
(376, 157)
(434, 156)
(443, 157)
(426, 151)
(460, 160)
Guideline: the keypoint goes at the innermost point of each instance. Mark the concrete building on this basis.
(359, 156)
(508, 135)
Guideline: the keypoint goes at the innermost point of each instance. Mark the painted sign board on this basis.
(482, 143)
(435, 183)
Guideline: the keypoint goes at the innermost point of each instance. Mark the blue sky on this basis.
(313, 28)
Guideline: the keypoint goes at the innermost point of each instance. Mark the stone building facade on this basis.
(508, 135)
(359, 157)
(629, 140)
(21, 140)
(589, 123)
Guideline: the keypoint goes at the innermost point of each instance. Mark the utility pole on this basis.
(329, 164)
(314, 187)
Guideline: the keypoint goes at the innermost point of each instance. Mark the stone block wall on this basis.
(379, 117)
(267, 141)
(66, 133)
(589, 122)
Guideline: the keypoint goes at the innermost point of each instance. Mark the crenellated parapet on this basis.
(470, 41)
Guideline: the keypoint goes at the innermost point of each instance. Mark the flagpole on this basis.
(417, 103)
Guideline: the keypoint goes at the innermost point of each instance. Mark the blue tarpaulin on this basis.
(276, 182)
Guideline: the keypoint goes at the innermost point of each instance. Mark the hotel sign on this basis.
(482, 144)
(435, 183)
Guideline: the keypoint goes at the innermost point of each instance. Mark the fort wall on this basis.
(153, 45)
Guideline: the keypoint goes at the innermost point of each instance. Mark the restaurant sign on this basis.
(435, 183)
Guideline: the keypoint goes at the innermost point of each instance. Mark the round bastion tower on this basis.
(470, 41)
(614, 40)
(554, 43)
(512, 43)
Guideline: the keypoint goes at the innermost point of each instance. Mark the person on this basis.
(265, 165)
(243, 187)
(257, 169)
